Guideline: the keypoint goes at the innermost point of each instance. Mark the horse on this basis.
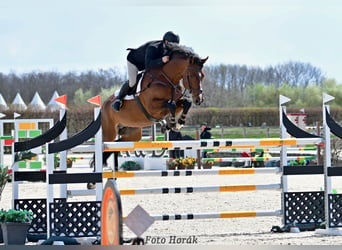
(160, 99)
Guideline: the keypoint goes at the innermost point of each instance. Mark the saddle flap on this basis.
(137, 88)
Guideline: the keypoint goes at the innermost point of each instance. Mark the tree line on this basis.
(224, 86)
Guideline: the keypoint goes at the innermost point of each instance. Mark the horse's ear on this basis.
(204, 60)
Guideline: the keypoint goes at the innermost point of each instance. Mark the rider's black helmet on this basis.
(171, 37)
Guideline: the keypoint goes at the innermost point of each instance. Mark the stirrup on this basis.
(117, 105)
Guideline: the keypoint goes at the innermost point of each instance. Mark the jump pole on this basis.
(204, 144)
(182, 190)
(176, 173)
(221, 215)
(259, 158)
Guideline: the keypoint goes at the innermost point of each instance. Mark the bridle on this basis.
(192, 71)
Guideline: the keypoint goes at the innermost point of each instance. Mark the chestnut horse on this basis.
(161, 97)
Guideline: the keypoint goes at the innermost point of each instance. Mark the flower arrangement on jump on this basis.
(207, 163)
(182, 163)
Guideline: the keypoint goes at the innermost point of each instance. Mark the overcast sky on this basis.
(78, 35)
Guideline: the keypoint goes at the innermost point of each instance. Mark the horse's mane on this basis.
(183, 50)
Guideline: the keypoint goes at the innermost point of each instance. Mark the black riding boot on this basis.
(118, 100)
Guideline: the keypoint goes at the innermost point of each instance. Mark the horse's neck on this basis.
(175, 69)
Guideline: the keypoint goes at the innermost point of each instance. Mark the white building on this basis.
(3, 104)
(37, 103)
(18, 103)
(53, 105)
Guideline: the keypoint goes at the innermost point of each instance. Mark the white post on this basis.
(50, 193)
(327, 165)
(50, 166)
(327, 162)
(283, 152)
(15, 167)
(98, 156)
(63, 157)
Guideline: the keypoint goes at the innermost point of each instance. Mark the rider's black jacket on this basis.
(148, 55)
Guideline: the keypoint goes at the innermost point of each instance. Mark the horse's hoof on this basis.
(163, 130)
(179, 127)
(91, 185)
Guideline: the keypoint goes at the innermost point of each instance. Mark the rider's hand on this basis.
(165, 59)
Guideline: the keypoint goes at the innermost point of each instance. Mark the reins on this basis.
(168, 83)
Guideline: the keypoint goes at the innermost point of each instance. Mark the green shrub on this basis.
(13, 215)
(130, 166)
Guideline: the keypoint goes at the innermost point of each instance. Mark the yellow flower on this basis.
(208, 161)
(188, 161)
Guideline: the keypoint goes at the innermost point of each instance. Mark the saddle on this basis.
(135, 89)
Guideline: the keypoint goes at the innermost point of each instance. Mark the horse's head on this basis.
(192, 74)
(192, 80)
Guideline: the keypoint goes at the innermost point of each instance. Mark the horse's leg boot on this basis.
(118, 100)
(186, 106)
(171, 105)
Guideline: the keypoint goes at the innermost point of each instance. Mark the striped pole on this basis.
(259, 158)
(221, 215)
(206, 144)
(274, 149)
(196, 172)
(83, 149)
(179, 190)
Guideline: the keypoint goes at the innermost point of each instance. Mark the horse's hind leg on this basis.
(130, 134)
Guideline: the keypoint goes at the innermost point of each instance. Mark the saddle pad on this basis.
(131, 97)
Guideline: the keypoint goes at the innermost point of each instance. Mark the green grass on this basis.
(237, 132)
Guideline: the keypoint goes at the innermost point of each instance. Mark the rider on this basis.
(149, 55)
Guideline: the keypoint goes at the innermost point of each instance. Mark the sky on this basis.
(81, 35)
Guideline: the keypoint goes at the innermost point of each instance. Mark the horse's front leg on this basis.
(186, 106)
(171, 122)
